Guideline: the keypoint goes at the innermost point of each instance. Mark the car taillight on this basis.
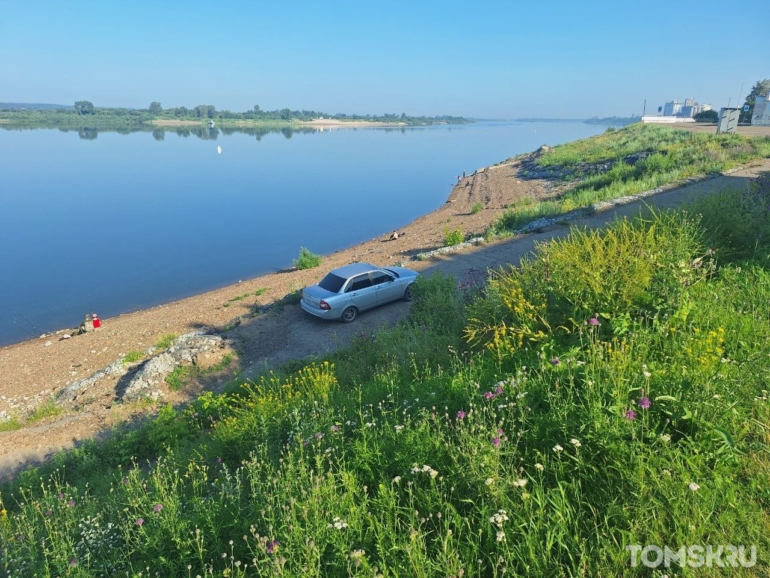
(324, 305)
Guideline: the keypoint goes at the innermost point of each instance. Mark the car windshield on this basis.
(332, 283)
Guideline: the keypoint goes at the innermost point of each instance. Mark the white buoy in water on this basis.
(219, 150)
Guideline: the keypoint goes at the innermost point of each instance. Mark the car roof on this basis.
(354, 269)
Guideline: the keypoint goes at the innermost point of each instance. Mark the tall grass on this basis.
(613, 393)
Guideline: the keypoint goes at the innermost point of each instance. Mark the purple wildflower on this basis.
(157, 508)
(272, 546)
(336, 428)
(496, 442)
(139, 522)
(73, 562)
(48, 513)
(594, 321)
(645, 403)
(319, 435)
(555, 361)
(71, 503)
(61, 496)
(499, 390)
(488, 395)
(630, 415)
(461, 414)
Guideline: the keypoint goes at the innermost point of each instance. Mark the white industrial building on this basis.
(688, 109)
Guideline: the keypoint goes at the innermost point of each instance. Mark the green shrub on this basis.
(166, 341)
(306, 259)
(476, 208)
(453, 237)
(133, 356)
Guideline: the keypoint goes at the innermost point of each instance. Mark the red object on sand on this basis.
(97, 322)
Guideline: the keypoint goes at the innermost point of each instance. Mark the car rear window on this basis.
(332, 283)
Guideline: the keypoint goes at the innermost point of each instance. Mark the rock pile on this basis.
(145, 378)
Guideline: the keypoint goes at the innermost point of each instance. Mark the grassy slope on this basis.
(417, 454)
(675, 155)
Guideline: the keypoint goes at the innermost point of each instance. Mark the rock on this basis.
(47, 343)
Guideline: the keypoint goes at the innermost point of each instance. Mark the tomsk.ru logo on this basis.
(695, 556)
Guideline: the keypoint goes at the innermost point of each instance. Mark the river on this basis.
(112, 221)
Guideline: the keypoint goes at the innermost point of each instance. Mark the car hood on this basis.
(403, 272)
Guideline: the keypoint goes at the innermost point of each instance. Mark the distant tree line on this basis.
(85, 110)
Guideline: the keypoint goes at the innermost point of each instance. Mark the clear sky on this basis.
(487, 59)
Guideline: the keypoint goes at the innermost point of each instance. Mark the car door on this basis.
(387, 288)
(361, 293)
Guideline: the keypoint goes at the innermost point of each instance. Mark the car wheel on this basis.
(349, 314)
(408, 294)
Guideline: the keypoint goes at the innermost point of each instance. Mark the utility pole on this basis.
(644, 110)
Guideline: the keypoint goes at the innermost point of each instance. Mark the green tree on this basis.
(256, 108)
(155, 108)
(286, 114)
(707, 116)
(761, 88)
(84, 107)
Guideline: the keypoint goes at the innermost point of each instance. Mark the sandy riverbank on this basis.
(334, 123)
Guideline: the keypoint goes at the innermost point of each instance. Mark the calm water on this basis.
(115, 222)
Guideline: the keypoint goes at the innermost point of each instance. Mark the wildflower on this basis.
(488, 395)
(555, 361)
(665, 438)
(499, 390)
(4, 513)
(489, 481)
(694, 487)
(338, 523)
(499, 519)
(139, 522)
(647, 374)
(272, 546)
(335, 428)
(594, 321)
(61, 496)
(397, 479)
(630, 415)
(71, 503)
(500, 536)
(557, 448)
(645, 403)
(575, 442)
(539, 467)
(73, 562)
(318, 435)
(157, 508)
(48, 513)
(496, 442)
(461, 414)
(399, 428)
(520, 483)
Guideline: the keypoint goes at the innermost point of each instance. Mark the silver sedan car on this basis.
(347, 291)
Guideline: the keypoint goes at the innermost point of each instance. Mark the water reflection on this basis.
(202, 132)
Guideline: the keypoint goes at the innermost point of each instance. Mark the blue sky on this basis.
(482, 59)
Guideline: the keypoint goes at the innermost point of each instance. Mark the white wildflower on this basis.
(557, 448)
(694, 487)
(575, 442)
(539, 467)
